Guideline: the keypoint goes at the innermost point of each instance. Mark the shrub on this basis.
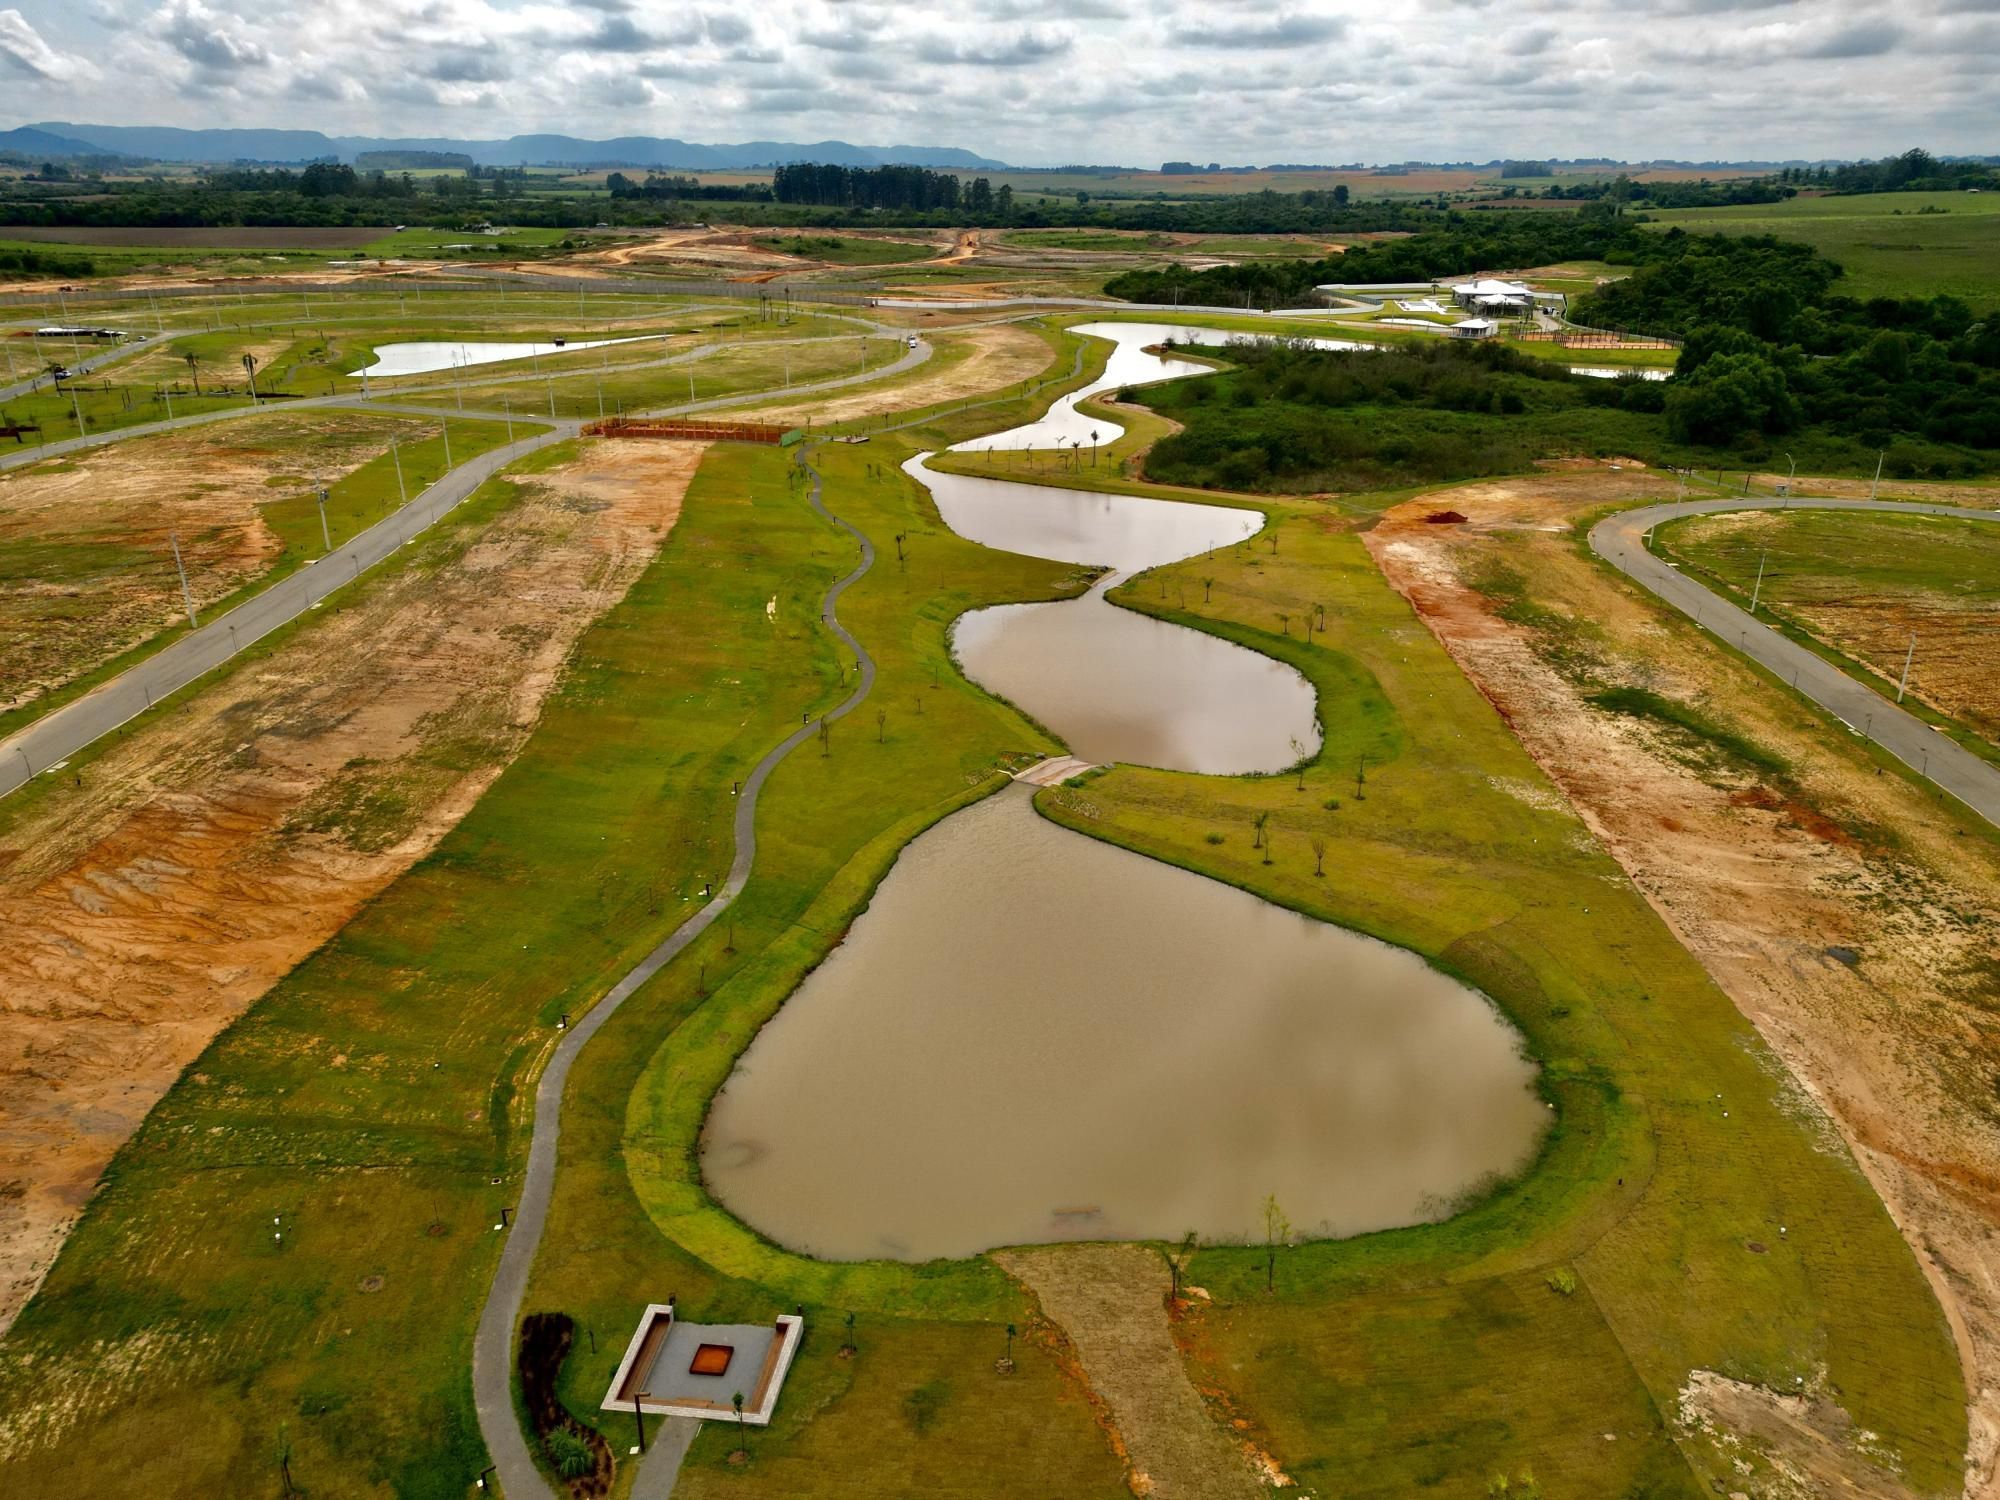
(1562, 1281)
(569, 1455)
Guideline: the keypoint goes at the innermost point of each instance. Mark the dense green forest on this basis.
(1769, 351)
(1289, 417)
(1293, 418)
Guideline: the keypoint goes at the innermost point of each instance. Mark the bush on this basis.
(1562, 1281)
(569, 1455)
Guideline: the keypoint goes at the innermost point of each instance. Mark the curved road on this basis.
(492, 1373)
(1621, 541)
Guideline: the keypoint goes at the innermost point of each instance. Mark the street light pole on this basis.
(187, 594)
(1759, 589)
(324, 535)
(1907, 657)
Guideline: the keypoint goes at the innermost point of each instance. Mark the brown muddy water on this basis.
(1114, 684)
(1033, 1036)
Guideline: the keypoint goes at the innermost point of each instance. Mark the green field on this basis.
(846, 250)
(1886, 242)
(1855, 587)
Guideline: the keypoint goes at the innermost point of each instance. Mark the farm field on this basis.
(1870, 590)
(1889, 244)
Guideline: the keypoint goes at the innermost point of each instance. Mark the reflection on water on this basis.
(1113, 684)
(1031, 1035)
(1129, 364)
(423, 358)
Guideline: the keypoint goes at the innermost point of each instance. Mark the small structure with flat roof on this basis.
(676, 1369)
(1473, 328)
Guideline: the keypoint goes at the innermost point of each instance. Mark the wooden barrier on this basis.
(688, 430)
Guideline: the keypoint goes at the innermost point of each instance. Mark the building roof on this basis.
(1486, 286)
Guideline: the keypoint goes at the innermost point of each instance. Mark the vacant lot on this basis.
(1874, 588)
(87, 570)
(1847, 911)
(1891, 244)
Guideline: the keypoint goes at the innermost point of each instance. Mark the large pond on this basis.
(1031, 1035)
(424, 358)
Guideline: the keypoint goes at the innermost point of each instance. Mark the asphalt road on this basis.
(492, 1350)
(81, 366)
(62, 732)
(1620, 540)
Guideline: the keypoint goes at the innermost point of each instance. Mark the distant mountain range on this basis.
(167, 143)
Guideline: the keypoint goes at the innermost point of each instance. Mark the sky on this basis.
(1040, 83)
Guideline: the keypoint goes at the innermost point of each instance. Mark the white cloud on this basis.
(1042, 80)
(22, 50)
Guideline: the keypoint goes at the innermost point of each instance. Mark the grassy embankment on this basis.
(1846, 585)
(1403, 1360)
(1887, 243)
(355, 501)
(373, 1095)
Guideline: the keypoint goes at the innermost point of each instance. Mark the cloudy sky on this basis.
(1040, 82)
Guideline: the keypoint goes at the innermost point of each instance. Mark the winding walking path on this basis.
(492, 1374)
(1621, 541)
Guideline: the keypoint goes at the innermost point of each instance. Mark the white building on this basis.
(1473, 328)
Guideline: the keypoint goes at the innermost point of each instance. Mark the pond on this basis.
(424, 358)
(1030, 1035)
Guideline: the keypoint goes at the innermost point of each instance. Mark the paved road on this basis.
(1620, 540)
(492, 1353)
(82, 366)
(62, 732)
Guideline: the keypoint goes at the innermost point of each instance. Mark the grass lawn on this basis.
(847, 251)
(1889, 246)
(426, 244)
(1859, 589)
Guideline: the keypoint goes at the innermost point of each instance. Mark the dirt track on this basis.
(1001, 356)
(1845, 916)
(203, 857)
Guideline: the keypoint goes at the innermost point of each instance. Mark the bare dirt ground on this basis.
(1848, 914)
(86, 569)
(194, 864)
(1983, 496)
(1001, 356)
(1110, 1302)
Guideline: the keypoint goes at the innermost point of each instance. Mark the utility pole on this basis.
(1754, 593)
(402, 494)
(324, 535)
(1878, 473)
(445, 426)
(1907, 656)
(187, 594)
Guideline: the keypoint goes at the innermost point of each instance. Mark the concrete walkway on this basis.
(1620, 540)
(492, 1352)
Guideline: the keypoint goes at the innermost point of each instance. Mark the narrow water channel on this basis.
(1031, 1035)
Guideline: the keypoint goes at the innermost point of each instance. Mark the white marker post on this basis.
(187, 594)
